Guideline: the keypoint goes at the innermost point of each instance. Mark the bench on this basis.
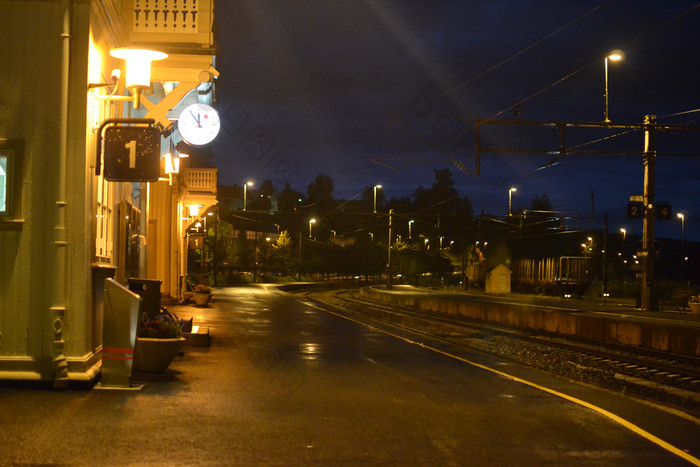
(676, 299)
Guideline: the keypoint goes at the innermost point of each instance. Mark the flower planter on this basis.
(201, 299)
(153, 355)
(694, 307)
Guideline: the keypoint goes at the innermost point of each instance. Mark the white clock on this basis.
(198, 124)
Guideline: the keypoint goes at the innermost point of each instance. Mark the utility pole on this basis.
(605, 257)
(649, 300)
(300, 260)
(388, 275)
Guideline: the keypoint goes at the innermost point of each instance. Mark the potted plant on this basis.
(201, 294)
(694, 304)
(158, 340)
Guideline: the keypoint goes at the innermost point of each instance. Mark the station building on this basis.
(64, 226)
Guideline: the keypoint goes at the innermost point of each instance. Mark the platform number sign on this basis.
(663, 211)
(635, 210)
(132, 154)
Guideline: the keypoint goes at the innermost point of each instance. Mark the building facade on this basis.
(64, 227)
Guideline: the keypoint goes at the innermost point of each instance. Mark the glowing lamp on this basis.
(172, 164)
(194, 209)
(138, 68)
(138, 65)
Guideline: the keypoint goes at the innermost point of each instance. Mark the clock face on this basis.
(198, 124)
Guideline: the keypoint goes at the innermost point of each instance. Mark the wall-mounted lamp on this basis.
(194, 209)
(138, 72)
(172, 163)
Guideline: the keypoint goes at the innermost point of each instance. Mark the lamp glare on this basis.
(138, 65)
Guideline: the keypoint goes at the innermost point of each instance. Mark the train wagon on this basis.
(558, 276)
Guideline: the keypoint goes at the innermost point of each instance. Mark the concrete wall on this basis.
(644, 334)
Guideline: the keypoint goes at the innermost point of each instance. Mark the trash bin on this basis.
(149, 290)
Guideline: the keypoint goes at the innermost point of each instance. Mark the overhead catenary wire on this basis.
(522, 51)
(579, 70)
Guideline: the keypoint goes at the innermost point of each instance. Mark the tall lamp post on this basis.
(311, 221)
(409, 228)
(375, 197)
(245, 193)
(613, 56)
(681, 216)
(510, 200)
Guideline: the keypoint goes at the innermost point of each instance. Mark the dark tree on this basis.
(320, 194)
(289, 199)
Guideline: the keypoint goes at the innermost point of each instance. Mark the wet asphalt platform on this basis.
(283, 383)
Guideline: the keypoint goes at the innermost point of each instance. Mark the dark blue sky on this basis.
(365, 92)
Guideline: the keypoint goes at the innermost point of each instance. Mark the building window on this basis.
(104, 238)
(10, 159)
(4, 168)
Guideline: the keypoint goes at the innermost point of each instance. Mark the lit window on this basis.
(10, 160)
(4, 163)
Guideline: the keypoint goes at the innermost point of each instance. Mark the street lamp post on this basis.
(510, 200)
(245, 193)
(311, 221)
(681, 216)
(409, 229)
(614, 56)
(375, 197)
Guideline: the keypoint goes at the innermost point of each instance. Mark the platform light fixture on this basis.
(375, 197)
(510, 200)
(614, 56)
(138, 72)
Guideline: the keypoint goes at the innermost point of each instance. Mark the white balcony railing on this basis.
(201, 180)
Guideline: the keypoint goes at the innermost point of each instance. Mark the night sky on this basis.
(366, 91)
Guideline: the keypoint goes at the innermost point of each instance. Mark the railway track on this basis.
(658, 376)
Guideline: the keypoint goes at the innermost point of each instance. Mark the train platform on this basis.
(607, 320)
(611, 305)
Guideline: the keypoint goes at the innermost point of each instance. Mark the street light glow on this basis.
(375, 197)
(615, 55)
(510, 199)
(245, 193)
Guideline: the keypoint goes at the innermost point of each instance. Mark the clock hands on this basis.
(197, 118)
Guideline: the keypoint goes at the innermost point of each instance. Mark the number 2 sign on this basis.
(132, 154)
(635, 210)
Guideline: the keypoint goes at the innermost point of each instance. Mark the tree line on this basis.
(433, 232)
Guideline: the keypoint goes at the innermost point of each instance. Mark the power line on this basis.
(522, 51)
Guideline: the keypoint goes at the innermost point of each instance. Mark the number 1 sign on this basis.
(132, 154)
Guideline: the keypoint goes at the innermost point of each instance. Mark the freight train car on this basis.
(559, 276)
